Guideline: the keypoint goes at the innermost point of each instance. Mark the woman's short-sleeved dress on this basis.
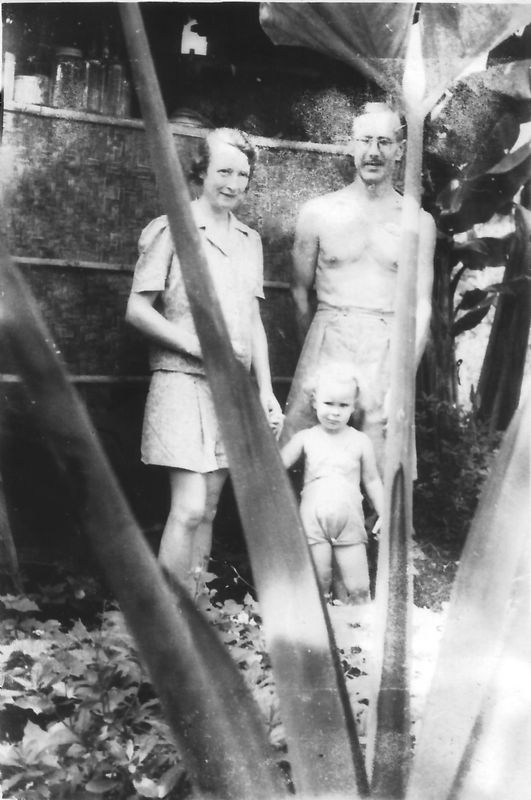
(180, 426)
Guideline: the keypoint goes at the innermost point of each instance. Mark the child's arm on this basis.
(372, 483)
(292, 451)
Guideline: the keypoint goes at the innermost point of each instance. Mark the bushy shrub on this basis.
(454, 453)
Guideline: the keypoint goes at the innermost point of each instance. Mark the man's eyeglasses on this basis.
(382, 142)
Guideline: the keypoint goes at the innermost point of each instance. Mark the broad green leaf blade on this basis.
(323, 747)
(477, 617)
(453, 35)
(210, 710)
(371, 37)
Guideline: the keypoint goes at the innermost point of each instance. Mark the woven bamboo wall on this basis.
(80, 189)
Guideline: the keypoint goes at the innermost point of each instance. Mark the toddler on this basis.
(337, 459)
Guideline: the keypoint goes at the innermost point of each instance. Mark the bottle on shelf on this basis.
(117, 90)
(69, 78)
(94, 82)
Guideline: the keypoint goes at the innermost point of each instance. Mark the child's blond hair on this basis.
(343, 373)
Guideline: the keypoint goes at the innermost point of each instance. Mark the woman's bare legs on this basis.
(187, 536)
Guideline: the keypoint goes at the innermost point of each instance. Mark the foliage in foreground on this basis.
(455, 451)
(80, 718)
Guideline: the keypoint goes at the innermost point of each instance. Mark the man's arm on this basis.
(305, 252)
(427, 236)
(146, 319)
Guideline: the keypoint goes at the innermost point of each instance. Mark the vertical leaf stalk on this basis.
(391, 726)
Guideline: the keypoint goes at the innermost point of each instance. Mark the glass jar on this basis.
(69, 82)
(117, 91)
(94, 85)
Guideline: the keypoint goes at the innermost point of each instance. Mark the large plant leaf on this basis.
(512, 79)
(486, 251)
(371, 37)
(205, 700)
(468, 202)
(477, 619)
(323, 748)
(472, 318)
(474, 130)
(454, 34)
(496, 765)
(475, 127)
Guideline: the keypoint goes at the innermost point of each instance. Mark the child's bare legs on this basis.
(187, 536)
(322, 559)
(353, 567)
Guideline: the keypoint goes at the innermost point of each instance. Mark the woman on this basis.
(180, 429)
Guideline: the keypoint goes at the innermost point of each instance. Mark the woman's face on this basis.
(226, 178)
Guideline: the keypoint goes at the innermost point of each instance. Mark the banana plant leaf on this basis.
(209, 708)
(468, 202)
(472, 318)
(512, 79)
(486, 251)
(323, 747)
(371, 37)
(453, 35)
(478, 618)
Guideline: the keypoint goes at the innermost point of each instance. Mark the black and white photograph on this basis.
(265, 424)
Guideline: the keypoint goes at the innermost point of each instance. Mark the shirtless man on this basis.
(346, 247)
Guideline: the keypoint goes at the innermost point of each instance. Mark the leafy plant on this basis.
(455, 451)
(90, 724)
(81, 720)
(471, 179)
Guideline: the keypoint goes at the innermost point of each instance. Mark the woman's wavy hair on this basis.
(231, 136)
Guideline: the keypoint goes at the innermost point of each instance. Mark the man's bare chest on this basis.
(347, 238)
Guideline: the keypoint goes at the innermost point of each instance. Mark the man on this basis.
(346, 247)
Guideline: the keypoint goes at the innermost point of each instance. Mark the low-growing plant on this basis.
(79, 716)
(454, 454)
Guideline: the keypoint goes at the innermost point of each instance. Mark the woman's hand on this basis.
(273, 412)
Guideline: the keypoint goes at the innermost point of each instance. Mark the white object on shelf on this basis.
(8, 81)
(33, 89)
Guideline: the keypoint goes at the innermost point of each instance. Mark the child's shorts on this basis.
(180, 428)
(332, 513)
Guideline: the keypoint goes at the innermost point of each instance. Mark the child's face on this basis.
(334, 404)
